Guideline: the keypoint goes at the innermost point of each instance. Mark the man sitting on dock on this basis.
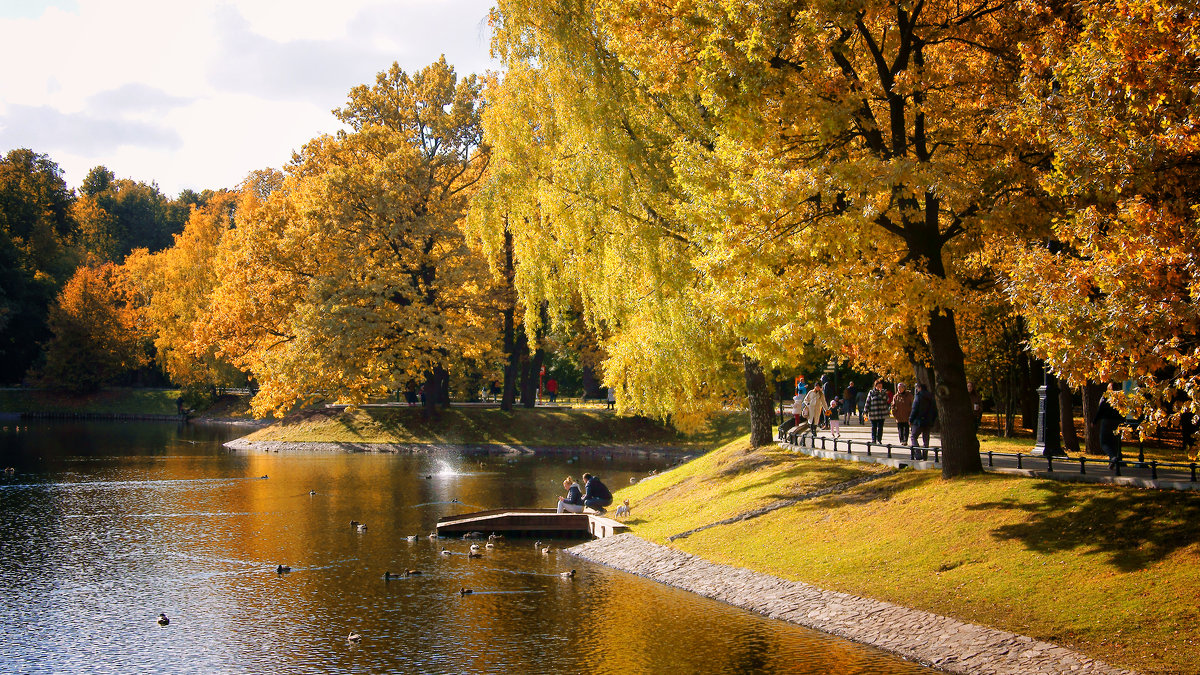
(595, 494)
(573, 502)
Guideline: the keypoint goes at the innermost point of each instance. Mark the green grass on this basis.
(476, 426)
(110, 401)
(1111, 572)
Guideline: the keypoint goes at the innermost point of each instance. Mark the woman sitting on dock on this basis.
(573, 502)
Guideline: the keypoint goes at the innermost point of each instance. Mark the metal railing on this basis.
(888, 449)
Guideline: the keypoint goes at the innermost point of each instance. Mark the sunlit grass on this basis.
(1109, 571)
(477, 426)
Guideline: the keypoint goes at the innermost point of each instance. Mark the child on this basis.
(835, 422)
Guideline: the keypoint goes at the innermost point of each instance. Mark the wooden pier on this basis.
(530, 523)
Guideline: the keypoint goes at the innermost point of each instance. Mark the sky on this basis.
(196, 94)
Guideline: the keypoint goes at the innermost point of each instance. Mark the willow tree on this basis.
(348, 276)
(582, 176)
(1111, 88)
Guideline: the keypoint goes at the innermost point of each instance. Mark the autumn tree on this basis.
(582, 178)
(96, 332)
(347, 275)
(175, 288)
(1109, 88)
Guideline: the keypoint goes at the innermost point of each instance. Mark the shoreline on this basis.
(653, 451)
(937, 641)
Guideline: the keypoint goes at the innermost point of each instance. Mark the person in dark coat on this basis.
(921, 419)
(595, 494)
(850, 399)
(1108, 420)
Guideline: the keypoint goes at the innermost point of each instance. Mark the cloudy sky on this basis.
(198, 93)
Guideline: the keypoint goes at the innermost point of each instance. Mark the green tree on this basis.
(35, 229)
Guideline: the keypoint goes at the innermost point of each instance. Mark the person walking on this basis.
(835, 422)
(850, 399)
(922, 417)
(830, 392)
(552, 389)
(814, 408)
(1109, 420)
(901, 408)
(877, 410)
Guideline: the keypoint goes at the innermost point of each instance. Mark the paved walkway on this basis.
(944, 643)
(852, 445)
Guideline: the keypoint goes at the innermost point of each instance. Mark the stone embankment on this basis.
(941, 642)
(661, 452)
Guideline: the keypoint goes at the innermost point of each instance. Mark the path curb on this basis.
(941, 642)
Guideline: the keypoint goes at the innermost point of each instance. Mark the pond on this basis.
(106, 525)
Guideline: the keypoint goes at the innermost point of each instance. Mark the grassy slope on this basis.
(536, 427)
(1111, 572)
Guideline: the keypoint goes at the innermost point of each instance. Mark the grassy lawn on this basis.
(474, 426)
(1111, 572)
(110, 401)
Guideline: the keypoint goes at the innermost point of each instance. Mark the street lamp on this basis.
(1048, 441)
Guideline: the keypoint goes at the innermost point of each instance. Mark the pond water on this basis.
(107, 525)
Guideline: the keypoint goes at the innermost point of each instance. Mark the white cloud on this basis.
(197, 94)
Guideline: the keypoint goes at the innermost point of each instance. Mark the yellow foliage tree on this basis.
(347, 275)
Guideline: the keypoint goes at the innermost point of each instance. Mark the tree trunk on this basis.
(591, 385)
(1030, 380)
(1066, 417)
(508, 392)
(960, 445)
(512, 371)
(1092, 393)
(762, 407)
(529, 387)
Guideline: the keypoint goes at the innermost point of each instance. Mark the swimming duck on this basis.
(354, 523)
(433, 535)
(353, 637)
(10, 471)
(475, 547)
(311, 493)
(465, 591)
(282, 569)
(545, 550)
(388, 576)
(163, 620)
(567, 575)
(445, 552)
(474, 554)
(412, 573)
(362, 527)
(411, 537)
(493, 536)
(537, 544)
(489, 545)
(263, 477)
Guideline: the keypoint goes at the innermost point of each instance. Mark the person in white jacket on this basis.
(814, 407)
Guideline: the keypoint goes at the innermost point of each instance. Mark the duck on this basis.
(362, 527)
(312, 493)
(353, 637)
(489, 545)
(355, 523)
(9, 470)
(545, 550)
(433, 535)
(388, 576)
(567, 575)
(411, 537)
(475, 548)
(493, 536)
(474, 554)
(445, 552)
(163, 620)
(263, 477)
(465, 591)
(537, 544)
(282, 569)
(412, 573)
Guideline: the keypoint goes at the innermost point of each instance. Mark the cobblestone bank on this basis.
(942, 642)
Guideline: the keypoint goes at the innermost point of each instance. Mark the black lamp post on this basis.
(1048, 440)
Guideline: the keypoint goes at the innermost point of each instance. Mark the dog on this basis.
(623, 509)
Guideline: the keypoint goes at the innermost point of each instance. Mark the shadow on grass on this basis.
(1133, 528)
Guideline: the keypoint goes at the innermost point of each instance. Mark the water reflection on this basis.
(107, 525)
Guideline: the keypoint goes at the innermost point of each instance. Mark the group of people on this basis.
(594, 495)
(915, 413)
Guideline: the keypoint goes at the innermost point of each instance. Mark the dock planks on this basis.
(530, 523)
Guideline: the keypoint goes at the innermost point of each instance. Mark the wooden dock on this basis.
(530, 523)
